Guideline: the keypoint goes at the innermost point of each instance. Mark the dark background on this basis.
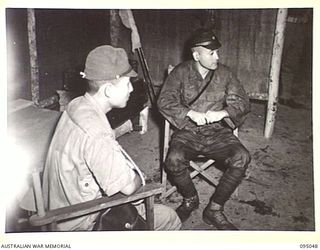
(65, 36)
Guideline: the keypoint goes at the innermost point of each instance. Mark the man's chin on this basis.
(124, 104)
(215, 66)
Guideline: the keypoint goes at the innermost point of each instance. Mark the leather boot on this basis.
(213, 215)
(188, 205)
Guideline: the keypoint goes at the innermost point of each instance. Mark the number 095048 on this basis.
(307, 246)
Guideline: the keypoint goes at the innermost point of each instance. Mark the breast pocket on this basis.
(88, 187)
(189, 94)
(215, 96)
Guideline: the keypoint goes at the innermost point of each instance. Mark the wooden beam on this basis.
(88, 207)
(149, 203)
(115, 24)
(275, 71)
(193, 174)
(34, 66)
(38, 194)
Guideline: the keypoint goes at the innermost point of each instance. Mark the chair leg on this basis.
(38, 197)
(38, 194)
(197, 170)
(201, 170)
(164, 184)
(149, 203)
(168, 192)
(53, 227)
(164, 155)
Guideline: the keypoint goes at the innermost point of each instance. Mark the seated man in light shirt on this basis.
(84, 156)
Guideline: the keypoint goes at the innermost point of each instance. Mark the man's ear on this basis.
(107, 89)
(195, 55)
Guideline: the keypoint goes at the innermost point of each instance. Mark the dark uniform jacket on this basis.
(183, 85)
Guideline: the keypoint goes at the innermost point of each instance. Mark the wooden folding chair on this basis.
(197, 168)
(33, 127)
(52, 217)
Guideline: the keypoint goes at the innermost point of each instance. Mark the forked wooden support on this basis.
(146, 192)
(198, 169)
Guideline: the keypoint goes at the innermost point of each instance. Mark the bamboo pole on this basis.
(34, 66)
(275, 72)
(114, 28)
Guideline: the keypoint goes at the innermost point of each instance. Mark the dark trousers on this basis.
(220, 145)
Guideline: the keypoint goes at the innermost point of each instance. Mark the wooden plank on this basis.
(275, 72)
(94, 205)
(38, 194)
(201, 170)
(150, 212)
(165, 151)
(168, 192)
(18, 104)
(246, 36)
(198, 169)
(115, 24)
(33, 56)
(192, 175)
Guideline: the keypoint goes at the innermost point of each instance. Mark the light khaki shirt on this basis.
(83, 145)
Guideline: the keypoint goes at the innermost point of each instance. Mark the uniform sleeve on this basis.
(108, 164)
(237, 101)
(170, 101)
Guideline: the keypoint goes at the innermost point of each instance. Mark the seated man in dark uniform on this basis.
(203, 120)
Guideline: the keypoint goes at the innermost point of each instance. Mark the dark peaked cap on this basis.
(204, 38)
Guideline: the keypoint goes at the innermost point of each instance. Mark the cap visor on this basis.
(131, 73)
(212, 46)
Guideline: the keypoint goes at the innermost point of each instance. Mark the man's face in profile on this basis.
(120, 92)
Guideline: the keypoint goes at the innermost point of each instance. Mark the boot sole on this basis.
(207, 221)
(210, 223)
(184, 220)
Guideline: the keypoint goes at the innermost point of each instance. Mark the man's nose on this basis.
(130, 87)
(216, 56)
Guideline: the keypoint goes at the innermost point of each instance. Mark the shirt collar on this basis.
(196, 74)
(96, 106)
(94, 103)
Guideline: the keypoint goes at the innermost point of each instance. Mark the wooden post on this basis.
(114, 28)
(164, 155)
(275, 71)
(34, 66)
(38, 194)
(150, 212)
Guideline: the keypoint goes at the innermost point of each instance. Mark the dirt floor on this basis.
(278, 193)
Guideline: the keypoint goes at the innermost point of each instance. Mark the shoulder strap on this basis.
(211, 73)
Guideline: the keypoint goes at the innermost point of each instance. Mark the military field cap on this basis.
(205, 38)
(106, 63)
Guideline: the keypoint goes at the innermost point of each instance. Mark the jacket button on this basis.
(86, 184)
